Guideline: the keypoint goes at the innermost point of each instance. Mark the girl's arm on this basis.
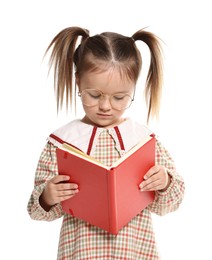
(46, 171)
(170, 198)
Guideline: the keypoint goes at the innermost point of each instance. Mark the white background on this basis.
(28, 112)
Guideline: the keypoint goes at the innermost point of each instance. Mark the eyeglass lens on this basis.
(119, 101)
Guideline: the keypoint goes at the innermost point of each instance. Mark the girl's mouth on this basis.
(103, 115)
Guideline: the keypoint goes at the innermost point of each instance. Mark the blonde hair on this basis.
(99, 52)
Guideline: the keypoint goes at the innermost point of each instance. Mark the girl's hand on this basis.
(156, 178)
(57, 190)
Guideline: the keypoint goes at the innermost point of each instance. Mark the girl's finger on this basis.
(66, 193)
(60, 178)
(150, 185)
(151, 172)
(67, 186)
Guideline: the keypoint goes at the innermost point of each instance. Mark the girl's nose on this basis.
(104, 103)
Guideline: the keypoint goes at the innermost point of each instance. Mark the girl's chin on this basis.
(102, 121)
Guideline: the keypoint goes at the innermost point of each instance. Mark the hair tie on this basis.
(132, 39)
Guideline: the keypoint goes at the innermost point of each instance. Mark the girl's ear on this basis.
(77, 79)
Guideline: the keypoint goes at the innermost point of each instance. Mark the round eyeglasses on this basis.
(92, 97)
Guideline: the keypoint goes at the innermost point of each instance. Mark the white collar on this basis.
(78, 134)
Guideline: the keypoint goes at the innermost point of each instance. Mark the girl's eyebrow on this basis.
(118, 92)
(121, 92)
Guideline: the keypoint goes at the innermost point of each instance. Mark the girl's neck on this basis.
(86, 120)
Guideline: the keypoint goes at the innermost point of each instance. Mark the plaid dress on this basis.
(81, 241)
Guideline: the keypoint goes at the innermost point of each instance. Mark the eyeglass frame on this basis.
(103, 94)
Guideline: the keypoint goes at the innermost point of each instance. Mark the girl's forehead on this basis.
(111, 74)
(106, 81)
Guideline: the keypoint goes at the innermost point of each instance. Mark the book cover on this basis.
(109, 197)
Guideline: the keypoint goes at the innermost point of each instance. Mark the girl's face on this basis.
(99, 110)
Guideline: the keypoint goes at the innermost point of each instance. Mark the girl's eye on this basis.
(119, 97)
(94, 95)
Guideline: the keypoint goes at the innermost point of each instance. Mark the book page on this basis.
(79, 153)
(91, 159)
(132, 150)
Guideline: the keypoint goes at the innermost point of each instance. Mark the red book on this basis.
(109, 197)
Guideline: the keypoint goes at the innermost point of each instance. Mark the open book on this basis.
(109, 197)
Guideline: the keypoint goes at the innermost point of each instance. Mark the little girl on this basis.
(106, 68)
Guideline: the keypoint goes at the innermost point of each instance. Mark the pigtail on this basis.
(154, 79)
(64, 45)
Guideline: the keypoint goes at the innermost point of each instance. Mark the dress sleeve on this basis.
(46, 170)
(170, 199)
